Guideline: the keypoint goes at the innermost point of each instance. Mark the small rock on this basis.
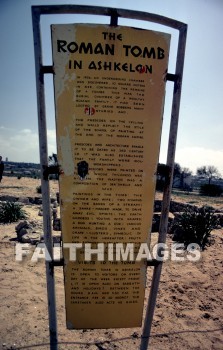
(55, 205)
(22, 224)
(22, 232)
(8, 198)
(56, 224)
(57, 239)
(54, 213)
(31, 237)
(27, 232)
(38, 200)
(135, 335)
(23, 200)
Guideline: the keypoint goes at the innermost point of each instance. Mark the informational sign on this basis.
(109, 92)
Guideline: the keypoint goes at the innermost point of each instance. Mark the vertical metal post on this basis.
(44, 181)
(168, 184)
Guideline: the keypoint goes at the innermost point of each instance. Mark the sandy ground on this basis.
(188, 313)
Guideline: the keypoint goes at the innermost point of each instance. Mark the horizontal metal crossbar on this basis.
(107, 11)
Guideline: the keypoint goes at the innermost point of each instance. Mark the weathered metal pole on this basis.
(168, 184)
(44, 180)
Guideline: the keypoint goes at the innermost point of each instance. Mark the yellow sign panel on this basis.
(109, 90)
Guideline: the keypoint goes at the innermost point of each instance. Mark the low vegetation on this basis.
(11, 212)
(194, 225)
(211, 190)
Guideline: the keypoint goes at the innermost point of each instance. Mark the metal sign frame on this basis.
(41, 70)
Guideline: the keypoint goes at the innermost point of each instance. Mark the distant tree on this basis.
(53, 159)
(185, 173)
(53, 163)
(160, 176)
(176, 173)
(208, 172)
(180, 175)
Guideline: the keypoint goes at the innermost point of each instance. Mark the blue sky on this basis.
(201, 113)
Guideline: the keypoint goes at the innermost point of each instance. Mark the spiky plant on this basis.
(194, 225)
(11, 212)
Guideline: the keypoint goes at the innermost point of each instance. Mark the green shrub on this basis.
(211, 190)
(194, 226)
(11, 212)
(38, 189)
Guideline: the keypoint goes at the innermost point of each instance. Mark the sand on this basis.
(188, 313)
